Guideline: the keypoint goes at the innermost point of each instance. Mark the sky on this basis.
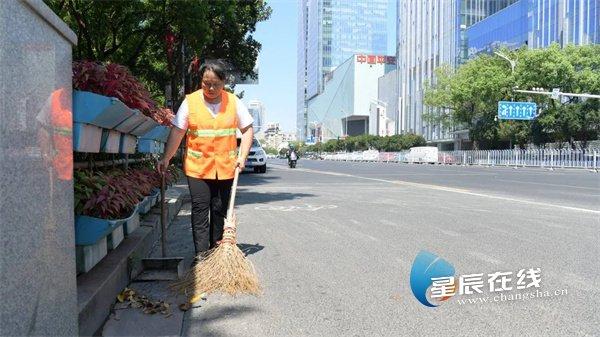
(277, 73)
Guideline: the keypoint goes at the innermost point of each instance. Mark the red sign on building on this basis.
(375, 59)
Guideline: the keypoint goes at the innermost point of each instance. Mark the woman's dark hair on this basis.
(216, 67)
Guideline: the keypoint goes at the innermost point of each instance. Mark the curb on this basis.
(98, 288)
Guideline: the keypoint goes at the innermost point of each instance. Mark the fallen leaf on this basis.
(197, 298)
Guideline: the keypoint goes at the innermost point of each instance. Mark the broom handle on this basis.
(232, 195)
(163, 216)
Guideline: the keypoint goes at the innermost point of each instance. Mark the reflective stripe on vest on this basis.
(212, 133)
(195, 154)
(198, 154)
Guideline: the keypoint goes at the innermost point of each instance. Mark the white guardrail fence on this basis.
(548, 158)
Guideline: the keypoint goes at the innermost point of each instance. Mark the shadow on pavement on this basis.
(253, 179)
(249, 249)
(248, 198)
(201, 326)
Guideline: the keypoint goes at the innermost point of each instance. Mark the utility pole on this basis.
(555, 93)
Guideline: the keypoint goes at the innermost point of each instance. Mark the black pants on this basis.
(210, 199)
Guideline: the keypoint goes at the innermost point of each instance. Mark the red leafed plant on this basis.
(163, 116)
(116, 200)
(114, 194)
(143, 179)
(115, 80)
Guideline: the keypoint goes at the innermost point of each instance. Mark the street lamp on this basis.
(513, 63)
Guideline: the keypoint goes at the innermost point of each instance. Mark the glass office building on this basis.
(563, 21)
(473, 11)
(427, 38)
(330, 32)
(537, 24)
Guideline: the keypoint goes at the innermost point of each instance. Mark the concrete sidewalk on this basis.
(125, 321)
(200, 318)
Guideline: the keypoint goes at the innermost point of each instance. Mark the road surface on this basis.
(334, 244)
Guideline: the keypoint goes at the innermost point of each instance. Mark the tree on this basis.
(471, 95)
(163, 42)
(439, 96)
(572, 69)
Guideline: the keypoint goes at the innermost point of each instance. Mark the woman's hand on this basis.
(162, 166)
(241, 163)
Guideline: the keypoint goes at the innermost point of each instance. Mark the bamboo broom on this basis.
(223, 269)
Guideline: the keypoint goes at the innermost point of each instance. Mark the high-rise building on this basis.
(302, 70)
(427, 38)
(563, 21)
(537, 24)
(473, 11)
(330, 32)
(257, 110)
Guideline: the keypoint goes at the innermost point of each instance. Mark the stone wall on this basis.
(37, 257)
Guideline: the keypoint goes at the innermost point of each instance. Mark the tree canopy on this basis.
(367, 142)
(470, 95)
(164, 41)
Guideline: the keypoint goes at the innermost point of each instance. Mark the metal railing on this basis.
(545, 158)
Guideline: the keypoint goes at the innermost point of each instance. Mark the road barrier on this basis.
(545, 158)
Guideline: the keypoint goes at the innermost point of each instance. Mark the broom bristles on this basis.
(225, 269)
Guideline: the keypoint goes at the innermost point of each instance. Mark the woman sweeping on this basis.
(210, 117)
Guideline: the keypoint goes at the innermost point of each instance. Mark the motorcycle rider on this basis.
(291, 155)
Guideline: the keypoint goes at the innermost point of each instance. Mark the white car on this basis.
(257, 158)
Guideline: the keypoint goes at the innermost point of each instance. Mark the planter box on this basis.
(145, 127)
(145, 205)
(159, 133)
(110, 141)
(154, 197)
(86, 137)
(102, 111)
(87, 256)
(115, 237)
(90, 230)
(127, 144)
(132, 224)
(132, 122)
(150, 146)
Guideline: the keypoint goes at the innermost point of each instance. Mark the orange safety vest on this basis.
(61, 119)
(211, 141)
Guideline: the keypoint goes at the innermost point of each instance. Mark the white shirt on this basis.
(244, 117)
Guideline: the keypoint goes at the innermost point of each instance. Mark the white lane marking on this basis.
(322, 229)
(291, 208)
(448, 232)
(485, 258)
(389, 223)
(357, 233)
(546, 184)
(454, 190)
